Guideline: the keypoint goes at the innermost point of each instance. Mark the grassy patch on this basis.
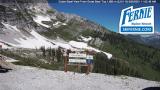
(40, 64)
(35, 62)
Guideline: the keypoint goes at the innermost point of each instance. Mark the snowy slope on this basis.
(36, 42)
(31, 39)
(22, 39)
(29, 78)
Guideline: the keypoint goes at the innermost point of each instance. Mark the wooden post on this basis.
(65, 60)
(65, 63)
(88, 69)
(79, 68)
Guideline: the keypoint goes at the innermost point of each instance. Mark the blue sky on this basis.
(107, 15)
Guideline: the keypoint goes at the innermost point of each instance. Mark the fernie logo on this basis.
(137, 21)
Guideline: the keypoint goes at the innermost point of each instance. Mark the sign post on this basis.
(65, 61)
(78, 59)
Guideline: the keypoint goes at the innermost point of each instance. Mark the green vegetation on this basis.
(114, 66)
(67, 32)
(49, 55)
(19, 14)
(143, 61)
(129, 58)
(50, 11)
(40, 64)
(35, 61)
(61, 32)
(122, 67)
(86, 32)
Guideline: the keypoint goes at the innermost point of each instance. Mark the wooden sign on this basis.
(77, 55)
(77, 58)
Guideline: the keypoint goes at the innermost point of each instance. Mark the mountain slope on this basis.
(151, 40)
(22, 39)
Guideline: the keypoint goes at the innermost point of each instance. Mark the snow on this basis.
(97, 50)
(39, 18)
(34, 42)
(14, 9)
(29, 78)
(10, 27)
(74, 45)
(63, 45)
(108, 55)
(18, 39)
(4, 46)
(82, 45)
(7, 59)
(58, 24)
(11, 60)
(86, 39)
(64, 24)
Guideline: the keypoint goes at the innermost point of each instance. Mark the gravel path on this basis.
(29, 78)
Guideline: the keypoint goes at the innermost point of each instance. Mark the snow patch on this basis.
(10, 27)
(108, 54)
(86, 39)
(82, 45)
(4, 46)
(15, 9)
(64, 24)
(63, 44)
(11, 60)
(97, 50)
(39, 18)
(34, 42)
(58, 24)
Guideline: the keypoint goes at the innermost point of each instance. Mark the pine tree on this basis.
(43, 51)
(59, 54)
